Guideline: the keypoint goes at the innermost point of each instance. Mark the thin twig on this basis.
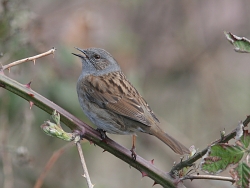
(84, 166)
(49, 165)
(209, 177)
(33, 58)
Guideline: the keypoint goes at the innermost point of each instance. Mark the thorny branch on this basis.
(33, 58)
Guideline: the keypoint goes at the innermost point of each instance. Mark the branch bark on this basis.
(208, 177)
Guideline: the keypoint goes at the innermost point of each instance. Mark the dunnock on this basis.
(112, 103)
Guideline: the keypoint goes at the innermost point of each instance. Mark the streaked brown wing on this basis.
(114, 92)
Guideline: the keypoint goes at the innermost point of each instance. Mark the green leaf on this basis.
(54, 130)
(220, 156)
(241, 44)
(241, 173)
(245, 139)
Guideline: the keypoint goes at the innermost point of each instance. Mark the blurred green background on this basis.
(174, 52)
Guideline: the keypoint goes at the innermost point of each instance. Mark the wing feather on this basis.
(114, 92)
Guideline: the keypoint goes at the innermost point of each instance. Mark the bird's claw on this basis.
(133, 154)
(102, 134)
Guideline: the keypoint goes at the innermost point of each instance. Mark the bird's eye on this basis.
(96, 56)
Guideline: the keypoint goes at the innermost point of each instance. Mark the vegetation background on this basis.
(174, 52)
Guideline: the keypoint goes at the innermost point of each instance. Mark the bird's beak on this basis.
(79, 55)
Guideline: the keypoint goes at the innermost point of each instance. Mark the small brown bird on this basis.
(112, 103)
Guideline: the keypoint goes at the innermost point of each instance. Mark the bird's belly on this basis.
(106, 120)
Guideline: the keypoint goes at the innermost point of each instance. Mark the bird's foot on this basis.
(133, 153)
(102, 134)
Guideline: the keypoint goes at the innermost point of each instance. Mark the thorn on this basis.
(9, 70)
(34, 61)
(152, 161)
(28, 85)
(144, 174)
(154, 184)
(84, 175)
(104, 151)
(31, 104)
(30, 94)
(90, 142)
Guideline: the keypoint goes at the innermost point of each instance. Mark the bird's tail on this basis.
(175, 145)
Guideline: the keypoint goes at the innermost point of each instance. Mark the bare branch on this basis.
(209, 177)
(84, 166)
(33, 58)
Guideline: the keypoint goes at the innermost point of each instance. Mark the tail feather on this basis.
(175, 145)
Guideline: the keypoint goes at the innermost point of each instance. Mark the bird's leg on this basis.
(133, 147)
(102, 133)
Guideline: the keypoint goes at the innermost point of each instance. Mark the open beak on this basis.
(79, 55)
